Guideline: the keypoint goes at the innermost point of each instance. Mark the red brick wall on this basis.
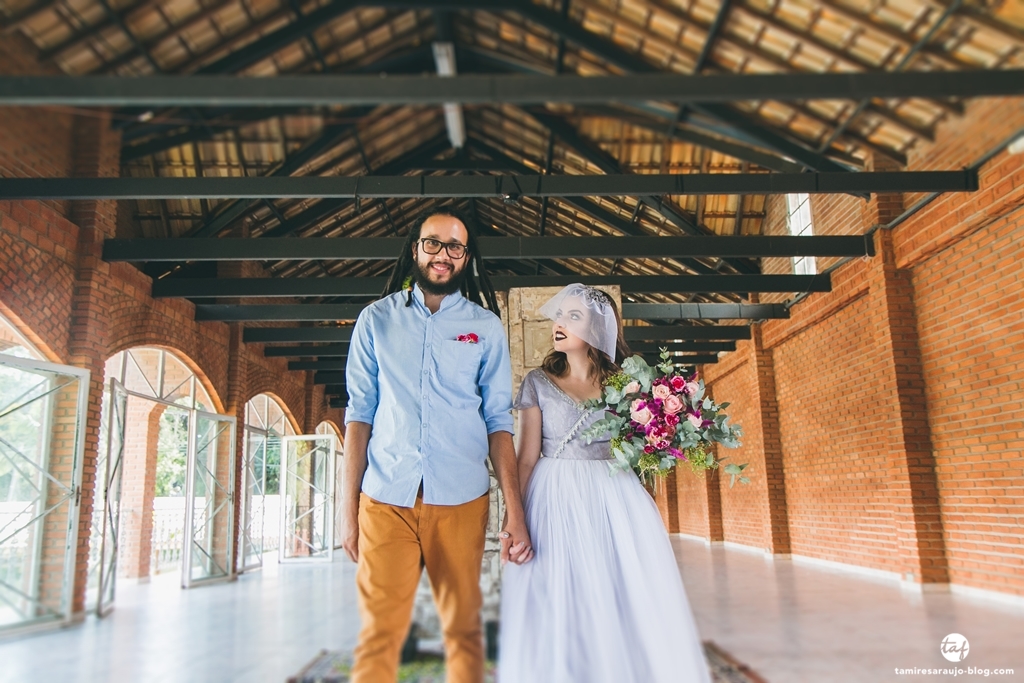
(898, 393)
(80, 310)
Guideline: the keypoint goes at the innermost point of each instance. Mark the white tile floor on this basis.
(789, 621)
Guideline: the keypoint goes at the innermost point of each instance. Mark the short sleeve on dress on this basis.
(527, 397)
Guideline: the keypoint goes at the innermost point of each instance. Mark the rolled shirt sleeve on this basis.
(496, 381)
(361, 372)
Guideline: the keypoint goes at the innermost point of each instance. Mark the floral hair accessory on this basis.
(470, 338)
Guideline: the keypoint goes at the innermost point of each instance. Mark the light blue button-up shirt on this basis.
(432, 400)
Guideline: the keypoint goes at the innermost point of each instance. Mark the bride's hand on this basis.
(515, 543)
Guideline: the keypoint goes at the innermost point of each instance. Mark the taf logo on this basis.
(954, 647)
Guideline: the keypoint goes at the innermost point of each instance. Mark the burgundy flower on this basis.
(677, 383)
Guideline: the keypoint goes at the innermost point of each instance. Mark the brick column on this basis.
(234, 404)
(776, 516)
(912, 479)
(699, 505)
(667, 498)
(97, 155)
(138, 488)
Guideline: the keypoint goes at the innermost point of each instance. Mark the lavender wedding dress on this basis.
(602, 600)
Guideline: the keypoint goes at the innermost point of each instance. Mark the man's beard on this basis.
(454, 283)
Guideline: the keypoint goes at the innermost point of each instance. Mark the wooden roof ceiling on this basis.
(269, 37)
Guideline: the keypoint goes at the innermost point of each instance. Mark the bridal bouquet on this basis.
(659, 419)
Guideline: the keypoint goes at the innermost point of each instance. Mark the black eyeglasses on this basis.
(454, 249)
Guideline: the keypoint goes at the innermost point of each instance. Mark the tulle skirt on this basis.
(602, 600)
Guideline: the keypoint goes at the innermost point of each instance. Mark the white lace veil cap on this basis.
(587, 313)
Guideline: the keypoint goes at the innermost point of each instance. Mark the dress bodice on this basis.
(563, 420)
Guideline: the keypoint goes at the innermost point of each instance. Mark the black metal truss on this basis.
(205, 288)
(281, 313)
(388, 248)
(678, 347)
(686, 360)
(503, 187)
(685, 332)
(704, 311)
(317, 364)
(329, 377)
(330, 90)
(339, 350)
(277, 335)
(630, 311)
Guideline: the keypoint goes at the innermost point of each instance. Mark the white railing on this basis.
(169, 530)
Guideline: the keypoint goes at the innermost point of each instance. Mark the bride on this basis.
(602, 600)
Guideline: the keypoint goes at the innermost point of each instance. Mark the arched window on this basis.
(265, 424)
(14, 343)
(159, 374)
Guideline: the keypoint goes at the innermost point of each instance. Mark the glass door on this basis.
(307, 497)
(110, 490)
(209, 494)
(42, 442)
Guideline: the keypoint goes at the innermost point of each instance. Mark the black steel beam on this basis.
(317, 364)
(686, 360)
(340, 403)
(322, 351)
(704, 311)
(329, 377)
(328, 90)
(674, 347)
(286, 312)
(486, 186)
(293, 335)
(336, 389)
(320, 312)
(686, 332)
(206, 288)
(388, 248)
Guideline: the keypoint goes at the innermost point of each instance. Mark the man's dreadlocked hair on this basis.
(476, 286)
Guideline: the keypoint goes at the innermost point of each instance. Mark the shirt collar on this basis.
(447, 302)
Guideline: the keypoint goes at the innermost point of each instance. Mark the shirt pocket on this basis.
(459, 362)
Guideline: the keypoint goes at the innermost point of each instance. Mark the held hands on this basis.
(515, 543)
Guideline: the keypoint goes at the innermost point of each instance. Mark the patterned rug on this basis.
(334, 667)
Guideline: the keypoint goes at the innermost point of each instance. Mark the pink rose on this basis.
(661, 391)
(673, 404)
(633, 387)
(694, 420)
(677, 383)
(691, 388)
(642, 416)
(637, 405)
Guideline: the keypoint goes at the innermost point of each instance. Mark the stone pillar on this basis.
(97, 154)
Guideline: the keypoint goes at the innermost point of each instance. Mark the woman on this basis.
(602, 600)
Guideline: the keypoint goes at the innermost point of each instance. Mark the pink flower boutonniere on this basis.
(470, 338)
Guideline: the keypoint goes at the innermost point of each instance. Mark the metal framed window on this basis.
(798, 220)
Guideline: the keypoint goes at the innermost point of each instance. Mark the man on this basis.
(430, 396)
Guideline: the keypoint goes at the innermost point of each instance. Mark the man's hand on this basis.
(515, 543)
(350, 535)
(357, 436)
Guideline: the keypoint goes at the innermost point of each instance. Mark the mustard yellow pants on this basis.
(395, 544)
